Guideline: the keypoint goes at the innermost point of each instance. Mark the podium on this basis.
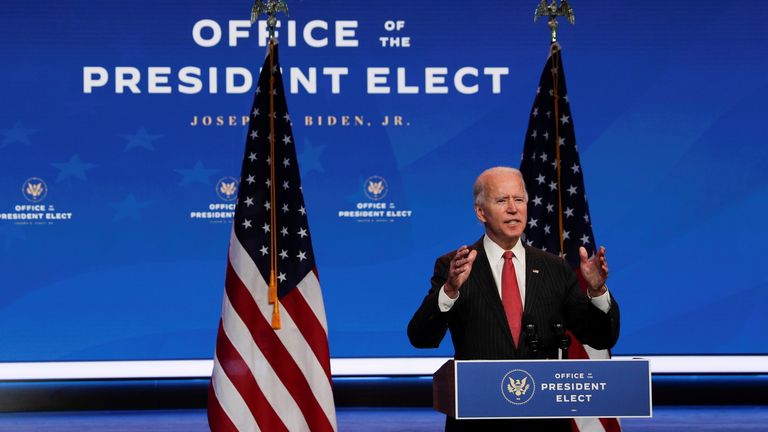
(510, 389)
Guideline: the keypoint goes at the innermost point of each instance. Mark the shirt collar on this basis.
(494, 251)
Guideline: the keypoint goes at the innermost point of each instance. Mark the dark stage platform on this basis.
(666, 419)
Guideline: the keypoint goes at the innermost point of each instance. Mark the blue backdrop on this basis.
(114, 233)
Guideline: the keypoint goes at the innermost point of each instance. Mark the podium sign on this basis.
(543, 388)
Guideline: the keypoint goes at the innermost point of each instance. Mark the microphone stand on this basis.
(563, 341)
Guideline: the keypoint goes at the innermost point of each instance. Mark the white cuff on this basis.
(444, 302)
(602, 302)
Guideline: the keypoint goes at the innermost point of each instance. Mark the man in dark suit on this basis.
(486, 292)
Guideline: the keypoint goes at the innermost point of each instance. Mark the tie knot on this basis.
(508, 255)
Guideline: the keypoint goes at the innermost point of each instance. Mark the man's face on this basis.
(504, 208)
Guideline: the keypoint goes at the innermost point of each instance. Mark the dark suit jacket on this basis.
(479, 328)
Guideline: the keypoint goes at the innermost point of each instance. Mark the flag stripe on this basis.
(587, 425)
(242, 376)
(315, 371)
(611, 424)
(310, 289)
(277, 396)
(232, 403)
(312, 330)
(217, 418)
(275, 352)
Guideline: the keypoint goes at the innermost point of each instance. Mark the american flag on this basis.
(558, 211)
(272, 367)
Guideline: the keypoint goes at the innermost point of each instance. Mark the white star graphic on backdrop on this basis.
(283, 254)
(529, 242)
(534, 134)
(584, 239)
(286, 140)
(568, 212)
(255, 112)
(265, 227)
(533, 157)
(287, 117)
(533, 223)
(301, 256)
(565, 98)
(249, 201)
(268, 182)
(541, 179)
(264, 250)
(550, 208)
(537, 201)
(572, 190)
(252, 157)
(566, 235)
(564, 119)
(285, 208)
(546, 229)
(251, 179)
(586, 218)
(269, 160)
(286, 162)
(562, 141)
(281, 277)
(543, 157)
(284, 231)
(553, 186)
(546, 136)
(246, 224)
(258, 89)
(285, 184)
(302, 232)
(535, 111)
(575, 168)
(267, 205)
(254, 134)
(302, 211)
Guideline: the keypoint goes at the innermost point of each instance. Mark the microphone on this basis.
(532, 340)
(562, 339)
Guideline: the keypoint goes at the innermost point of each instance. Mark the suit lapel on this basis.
(532, 280)
(481, 278)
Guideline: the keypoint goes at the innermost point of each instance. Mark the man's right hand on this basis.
(458, 271)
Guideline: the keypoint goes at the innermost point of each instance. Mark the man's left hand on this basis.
(594, 270)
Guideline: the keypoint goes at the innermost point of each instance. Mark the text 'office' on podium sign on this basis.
(485, 389)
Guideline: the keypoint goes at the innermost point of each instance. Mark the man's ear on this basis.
(479, 213)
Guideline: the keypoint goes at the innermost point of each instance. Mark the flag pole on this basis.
(271, 8)
(552, 11)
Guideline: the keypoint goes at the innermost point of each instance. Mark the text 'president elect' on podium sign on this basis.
(479, 389)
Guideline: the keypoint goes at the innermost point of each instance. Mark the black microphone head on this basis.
(529, 327)
(558, 326)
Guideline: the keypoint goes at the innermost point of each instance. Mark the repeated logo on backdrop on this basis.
(35, 211)
(375, 188)
(217, 212)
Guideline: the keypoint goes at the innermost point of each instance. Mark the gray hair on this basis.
(478, 191)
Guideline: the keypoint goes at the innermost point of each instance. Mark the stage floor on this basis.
(666, 419)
